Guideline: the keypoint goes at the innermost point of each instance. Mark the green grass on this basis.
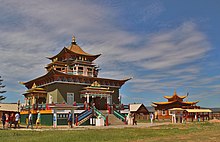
(180, 132)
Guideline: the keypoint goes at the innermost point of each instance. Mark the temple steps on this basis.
(84, 120)
(113, 120)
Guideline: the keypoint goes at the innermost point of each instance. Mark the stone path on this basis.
(139, 125)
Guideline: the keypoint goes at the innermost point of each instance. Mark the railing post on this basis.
(106, 121)
(109, 109)
(125, 120)
(76, 120)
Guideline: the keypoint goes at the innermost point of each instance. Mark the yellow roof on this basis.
(165, 103)
(76, 49)
(191, 110)
(175, 95)
(169, 97)
(174, 109)
(161, 103)
(190, 102)
(198, 110)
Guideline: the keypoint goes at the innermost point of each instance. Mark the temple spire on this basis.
(174, 94)
(73, 39)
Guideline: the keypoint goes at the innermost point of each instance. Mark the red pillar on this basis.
(109, 109)
(106, 121)
(76, 120)
(125, 121)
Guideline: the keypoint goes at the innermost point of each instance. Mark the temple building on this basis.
(72, 77)
(162, 109)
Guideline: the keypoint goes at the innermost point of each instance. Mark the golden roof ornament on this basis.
(175, 94)
(95, 84)
(34, 86)
(73, 39)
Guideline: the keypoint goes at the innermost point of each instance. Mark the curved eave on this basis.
(162, 103)
(52, 72)
(96, 88)
(190, 103)
(37, 92)
(72, 52)
(31, 92)
(167, 103)
(170, 97)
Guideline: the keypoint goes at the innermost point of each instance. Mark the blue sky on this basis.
(163, 45)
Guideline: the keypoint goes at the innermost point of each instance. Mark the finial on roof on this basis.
(174, 92)
(73, 39)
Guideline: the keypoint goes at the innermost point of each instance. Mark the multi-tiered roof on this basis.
(174, 101)
(75, 66)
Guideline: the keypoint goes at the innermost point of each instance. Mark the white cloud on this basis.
(166, 59)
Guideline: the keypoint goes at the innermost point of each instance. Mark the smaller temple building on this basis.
(162, 109)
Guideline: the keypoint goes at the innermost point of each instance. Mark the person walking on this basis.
(3, 120)
(11, 119)
(30, 120)
(38, 119)
(6, 120)
(17, 118)
(151, 118)
(70, 120)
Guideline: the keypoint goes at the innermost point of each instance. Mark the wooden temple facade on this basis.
(71, 78)
(162, 109)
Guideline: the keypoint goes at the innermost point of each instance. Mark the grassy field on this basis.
(201, 132)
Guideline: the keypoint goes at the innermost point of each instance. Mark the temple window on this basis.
(80, 70)
(89, 71)
(59, 69)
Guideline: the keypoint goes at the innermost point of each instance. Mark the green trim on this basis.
(119, 115)
(46, 119)
(99, 113)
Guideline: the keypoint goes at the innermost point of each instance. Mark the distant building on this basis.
(139, 111)
(215, 113)
(175, 101)
(8, 108)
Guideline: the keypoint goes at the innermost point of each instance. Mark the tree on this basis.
(1, 92)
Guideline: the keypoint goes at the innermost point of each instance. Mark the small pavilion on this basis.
(97, 95)
(175, 101)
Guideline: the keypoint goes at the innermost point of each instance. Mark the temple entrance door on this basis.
(103, 103)
(97, 103)
(100, 103)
